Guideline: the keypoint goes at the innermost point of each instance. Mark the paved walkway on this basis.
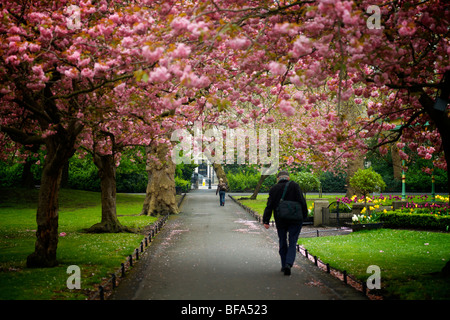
(209, 252)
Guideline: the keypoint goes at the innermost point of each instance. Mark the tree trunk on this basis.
(353, 166)
(107, 173)
(27, 180)
(160, 194)
(47, 216)
(60, 147)
(220, 173)
(396, 162)
(258, 186)
(352, 113)
(441, 120)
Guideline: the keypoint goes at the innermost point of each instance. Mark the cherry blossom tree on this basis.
(51, 66)
(108, 131)
(45, 77)
(402, 54)
(311, 59)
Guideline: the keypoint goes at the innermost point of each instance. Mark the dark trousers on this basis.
(288, 236)
(222, 197)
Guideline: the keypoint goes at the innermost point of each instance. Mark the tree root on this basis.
(108, 227)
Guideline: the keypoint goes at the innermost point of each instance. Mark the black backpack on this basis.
(289, 210)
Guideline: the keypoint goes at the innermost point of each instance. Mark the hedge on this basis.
(241, 181)
(401, 219)
(183, 184)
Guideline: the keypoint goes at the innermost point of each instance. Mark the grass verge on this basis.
(97, 255)
(260, 202)
(410, 261)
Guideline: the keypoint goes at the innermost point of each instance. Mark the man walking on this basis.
(288, 231)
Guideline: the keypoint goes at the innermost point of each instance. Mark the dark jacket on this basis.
(293, 193)
(220, 185)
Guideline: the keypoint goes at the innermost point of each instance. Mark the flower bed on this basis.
(387, 200)
(375, 200)
(421, 215)
(365, 219)
(415, 214)
(365, 222)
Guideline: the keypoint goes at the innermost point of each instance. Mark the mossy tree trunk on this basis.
(220, 173)
(160, 194)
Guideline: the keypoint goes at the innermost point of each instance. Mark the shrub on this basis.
(268, 183)
(185, 171)
(135, 182)
(333, 182)
(367, 181)
(83, 174)
(242, 181)
(184, 184)
(307, 181)
(10, 174)
(407, 219)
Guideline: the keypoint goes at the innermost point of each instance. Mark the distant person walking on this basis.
(288, 230)
(221, 189)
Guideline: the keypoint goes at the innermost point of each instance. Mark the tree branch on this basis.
(399, 132)
(22, 137)
(87, 90)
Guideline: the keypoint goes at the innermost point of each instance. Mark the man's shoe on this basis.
(287, 270)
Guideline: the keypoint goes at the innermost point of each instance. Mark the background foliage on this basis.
(131, 176)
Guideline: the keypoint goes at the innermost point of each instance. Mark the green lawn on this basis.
(97, 255)
(410, 261)
(260, 202)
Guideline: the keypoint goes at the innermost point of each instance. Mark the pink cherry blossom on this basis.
(182, 51)
(239, 43)
(160, 74)
(152, 56)
(277, 68)
(180, 23)
(286, 108)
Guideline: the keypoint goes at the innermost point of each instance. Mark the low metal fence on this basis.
(112, 282)
(342, 275)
